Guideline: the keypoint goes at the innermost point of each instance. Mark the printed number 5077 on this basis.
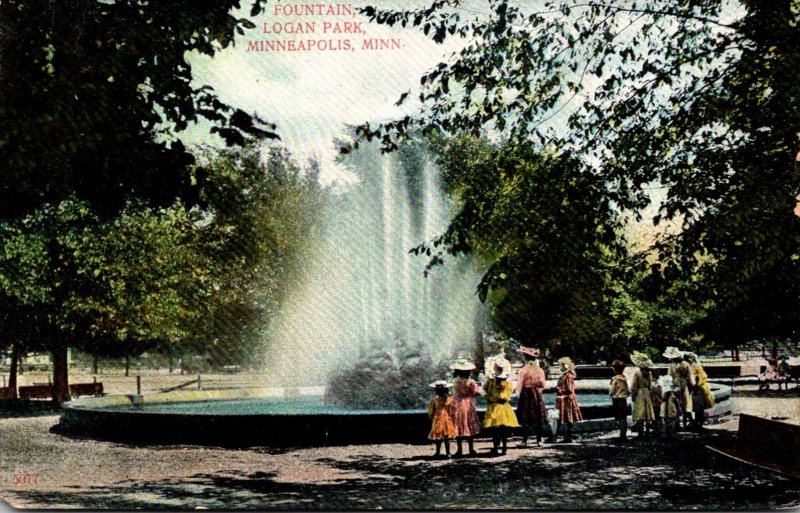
(24, 478)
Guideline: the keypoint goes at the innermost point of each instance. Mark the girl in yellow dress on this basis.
(441, 410)
(702, 398)
(500, 418)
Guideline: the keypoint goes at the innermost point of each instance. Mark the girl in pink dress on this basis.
(566, 401)
(465, 389)
(530, 383)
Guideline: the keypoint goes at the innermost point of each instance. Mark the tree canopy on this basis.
(94, 91)
(700, 100)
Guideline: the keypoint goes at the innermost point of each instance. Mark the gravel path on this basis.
(595, 473)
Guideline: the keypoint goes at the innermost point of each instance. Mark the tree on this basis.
(94, 91)
(262, 209)
(699, 98)
(547, 234)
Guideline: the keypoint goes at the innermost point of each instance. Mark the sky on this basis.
(313, 95)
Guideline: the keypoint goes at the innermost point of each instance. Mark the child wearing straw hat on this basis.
(566, 401)
(499, 418)
(619, 392)
(465, 389)
(681, 375)
(642, 390)
(702, 398)
(441, 411)
(671, 407)
(530, 409)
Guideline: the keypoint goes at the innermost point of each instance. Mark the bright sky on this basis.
(313, 95)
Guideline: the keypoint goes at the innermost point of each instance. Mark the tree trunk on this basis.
(60, 374)
(12, 372)
(127, 365)
(95, 364)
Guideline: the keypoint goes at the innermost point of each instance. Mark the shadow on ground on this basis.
(595, 474)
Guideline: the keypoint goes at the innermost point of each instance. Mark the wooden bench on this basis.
(769, 444)
(793, 375)
(36, 392)
(6, 393)
(79, 389)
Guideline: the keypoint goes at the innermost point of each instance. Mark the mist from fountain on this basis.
(360, 292)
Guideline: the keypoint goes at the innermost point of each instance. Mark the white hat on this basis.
(462, 364)
(665, 381)
(502, 375)
(441, 384)
(673, 352)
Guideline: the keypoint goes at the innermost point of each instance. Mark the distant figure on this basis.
(658, 399)
(499, 418)
(784, 371)
(441, 411)
(769, 375)
(642, 393)
(619, 392)
(681, 375)
(530, 384)
(569, 411)
(671, 408)
(702, 398)
(465, 389)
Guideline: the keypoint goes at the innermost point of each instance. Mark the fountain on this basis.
(360, 318)
(360, 292)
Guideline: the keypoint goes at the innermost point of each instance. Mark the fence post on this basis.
(138, 385)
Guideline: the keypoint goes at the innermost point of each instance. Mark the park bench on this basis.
(36, 392)
(769, 444)
(79, 389)
(793, 375)
(6, 393)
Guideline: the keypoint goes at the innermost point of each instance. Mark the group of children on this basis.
(455, 416)
(659, 403)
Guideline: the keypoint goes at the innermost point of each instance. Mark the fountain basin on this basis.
(283, 418)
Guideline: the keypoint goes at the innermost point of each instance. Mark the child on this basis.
(569, 411)
(441, 410)
(619, 392)
(702, 398)
(671, 408)
(465, 389)
(530, 410)
(499, 418)
(658, 399)
(641, 390)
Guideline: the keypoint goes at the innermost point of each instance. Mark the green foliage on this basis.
(177, 277)
(547, 234)
(699, 98)
(103, 285)
(262, 209)
(93, 92)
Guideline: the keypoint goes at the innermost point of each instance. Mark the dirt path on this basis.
(595, 473)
